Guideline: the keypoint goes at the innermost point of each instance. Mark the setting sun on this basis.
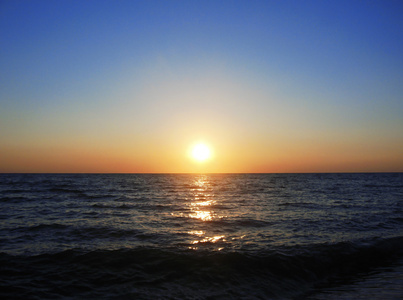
(201, 152)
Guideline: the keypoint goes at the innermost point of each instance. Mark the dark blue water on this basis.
(228, 236)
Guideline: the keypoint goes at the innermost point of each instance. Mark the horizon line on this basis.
(204, 173)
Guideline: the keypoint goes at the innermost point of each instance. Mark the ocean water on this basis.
(195, 236)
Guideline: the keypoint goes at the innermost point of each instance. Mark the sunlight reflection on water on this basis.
(202, 215)
(201, 200)
(200, 206)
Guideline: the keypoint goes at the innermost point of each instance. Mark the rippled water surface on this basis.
(198, 236)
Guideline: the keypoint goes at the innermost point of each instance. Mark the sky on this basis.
(268, 86)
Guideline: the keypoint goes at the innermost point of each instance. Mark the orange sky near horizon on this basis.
(235, 158)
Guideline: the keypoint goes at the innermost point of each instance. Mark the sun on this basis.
(201, 152)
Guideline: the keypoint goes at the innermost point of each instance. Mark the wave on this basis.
(42, 227)
(310, 205)
(65, 189)
(14, 199)
(108, 206)
(241, 223)
(80, 233)
(144, 273)
(392, 186)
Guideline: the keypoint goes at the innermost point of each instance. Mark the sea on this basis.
(201, 236)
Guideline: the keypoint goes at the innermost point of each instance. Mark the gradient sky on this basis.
(270, 86)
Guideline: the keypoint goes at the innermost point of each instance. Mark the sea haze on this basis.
(195, 236)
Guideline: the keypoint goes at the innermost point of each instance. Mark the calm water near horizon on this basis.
(195, 236)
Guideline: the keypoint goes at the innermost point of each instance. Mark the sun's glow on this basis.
(201, 152)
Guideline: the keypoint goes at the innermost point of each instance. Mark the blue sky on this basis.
(264, 77)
